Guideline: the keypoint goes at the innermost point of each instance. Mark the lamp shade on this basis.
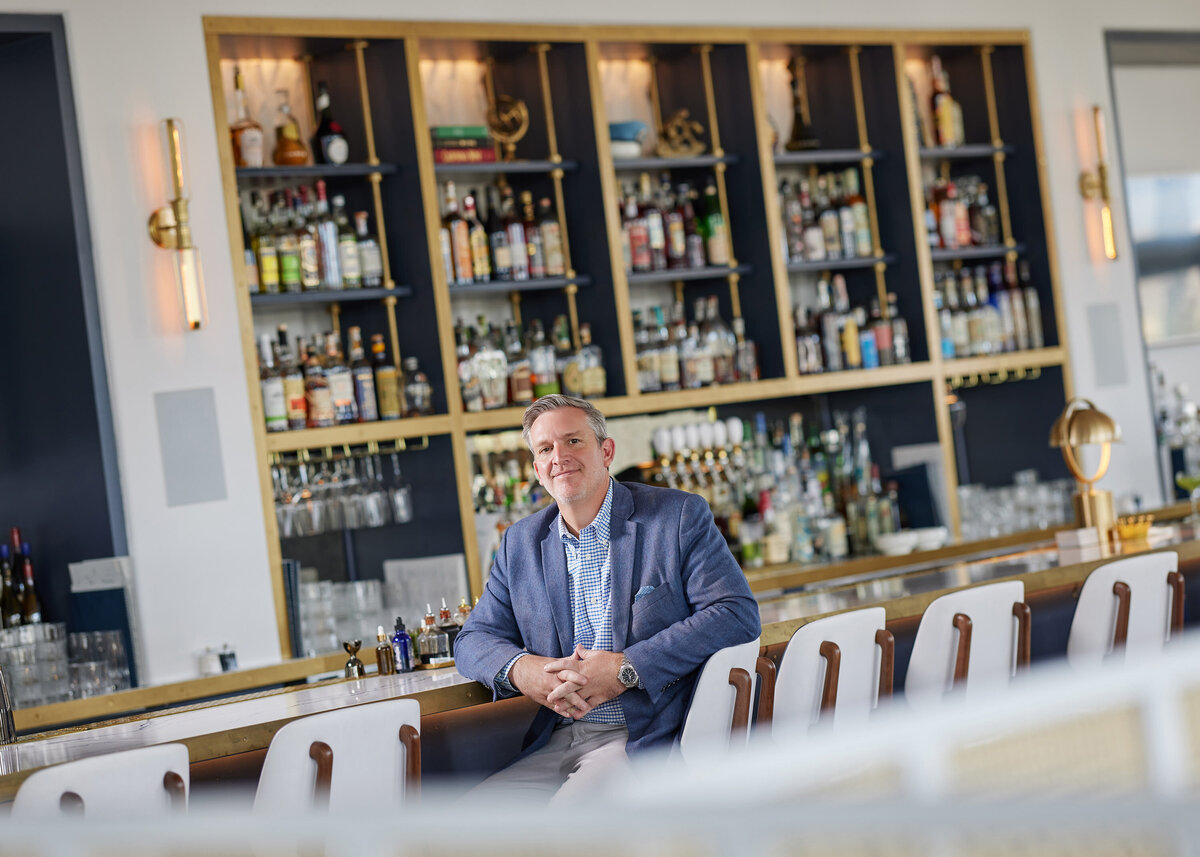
(1081, 423)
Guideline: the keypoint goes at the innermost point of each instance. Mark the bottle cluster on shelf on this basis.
(959, 214)
(315, 386)
(19, 602)
(987, 311)
(672, 228)
(328, 141)
(682, 356)
(825, 219)
(833, 336)
(777, 496)
(513, 246)
(297, 243)
(498, 369)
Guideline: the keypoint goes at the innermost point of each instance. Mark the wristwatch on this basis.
(628, 674)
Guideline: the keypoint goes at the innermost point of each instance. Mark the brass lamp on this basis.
(1081, 423)
(171, 229)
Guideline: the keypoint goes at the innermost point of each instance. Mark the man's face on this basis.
(570, 463)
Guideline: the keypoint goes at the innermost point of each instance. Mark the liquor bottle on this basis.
(543, 364)
(801, 136)
(945, 316)
(402, 648)
(341, 381)
(418, 392)
(246, 133)
(827, 217)
(533, 238)
(347, 242)
(655, 228)
(985, 222)
(327, 241)
(746, 358)
(289, 148)
(329, 144)
(814, 235)
(1016, 297)
(389, 402)
(990, 318)
(932, 230)
(829, 325)
(31, 605)
(520, 382)
(716, 231)
(385, 655)
(287, 245)
(638, 235)
(552, 243)
(498, 238)
(294, 395)
(468, 372)
(943, 105)
(793, 221)
(519, 247)
(265, 252)
(721, 342)
(900, 340)
(316, 392)
(808, 343)
(491, 367)
(432, 643)
(673, 225)
(305, 230)
(881, 328)
(846, 222)
(10, 602)
(566, 362)
(591, 361)
(447, 626)
(668, 353)
(477, 240)
(948, 215)
(1002, 301)
(970, 302)
(458, 232)
(370, 259)
(363, 378)
(18, 555)
(685, 201)
(960, 329)
(852, 355)
(271, 382)
(648, 371)
(861, 216)
(1033, 306)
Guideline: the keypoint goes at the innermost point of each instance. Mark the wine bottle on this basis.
(328, 142)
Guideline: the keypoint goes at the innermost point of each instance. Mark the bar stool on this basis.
(719, 714)
(333, 759)
(129, 784)
(1133, 604)
(835, 670)
(973, 638)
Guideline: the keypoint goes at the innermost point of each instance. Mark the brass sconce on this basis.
(1093, 184)
(1081, 423)
(171, 230)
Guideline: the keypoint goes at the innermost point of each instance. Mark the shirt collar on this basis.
(600, 524)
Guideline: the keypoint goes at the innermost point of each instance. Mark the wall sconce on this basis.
(1095, 184)
(1082, 423)
(171, 230)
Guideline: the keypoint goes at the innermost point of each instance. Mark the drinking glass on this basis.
(1190, 482)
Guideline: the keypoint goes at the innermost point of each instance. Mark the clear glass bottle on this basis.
(543, 364)
(370, 259)
(591, 360)
(1033, 307)
(347, 242)
(389, 387)
(468, 372)
(646, 345)
(327, 241)
(746, 357)
(520, 381)
(363, 376)
(721, 342)
(289, 148)
(533, 238)
(552, 243)
(247, 134)
(491, 367)
(271, 381)
(668, 353)
(292, 372)
(418, 392)
(305, 229)
(498, 238)
(287, 244)
(432, 643)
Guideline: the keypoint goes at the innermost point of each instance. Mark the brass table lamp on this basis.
(1081, 423)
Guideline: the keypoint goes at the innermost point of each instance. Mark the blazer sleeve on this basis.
(724, 612)
(490, 637)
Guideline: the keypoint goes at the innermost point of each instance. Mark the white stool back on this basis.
(335, 758)
(843, 654)
(1153, 597)
(709, 720)
(129, 784)
(999, 640)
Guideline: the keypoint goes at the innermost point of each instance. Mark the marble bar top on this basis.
(218, 729)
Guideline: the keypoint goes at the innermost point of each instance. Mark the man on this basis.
(601, 608)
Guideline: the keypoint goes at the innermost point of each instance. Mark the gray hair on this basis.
(553, 402)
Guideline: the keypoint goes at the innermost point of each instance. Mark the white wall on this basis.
(201, 570)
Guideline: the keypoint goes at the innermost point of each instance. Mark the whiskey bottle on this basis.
(946, 112)
(591, 360)
(458, 233)
(502, 267)
(793, 221)
(328, 143)
(668, 353)
(552, 243)
(447, 626)
(289, 148)
(347, 243)
(721, 342)
(370, 260)
(638, 236)
(518, 246)
(316, 392)
(388, 386)
(673, 225)
(520, 383)
(477, 239)
(271, 382)
(533, 238)
(418, 392)
(685, 201)
(306, 241)
(827, 217)
(363, 377)
(468, 372)
(246, 133)
(746, 358)
(655, 229)
(566, 359)
(292, 372)
(327, 241)
(341, 382)
(814, 235)
(846, 222)
(385, 655)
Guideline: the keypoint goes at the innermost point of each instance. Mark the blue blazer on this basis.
(677, 593)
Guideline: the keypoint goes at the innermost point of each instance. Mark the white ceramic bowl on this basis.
(623, 150)
(931, 538)
(896, 544)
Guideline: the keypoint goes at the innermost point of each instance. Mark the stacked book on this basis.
(462, 144)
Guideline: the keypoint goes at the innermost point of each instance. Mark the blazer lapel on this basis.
(554, 569)
(622, 548)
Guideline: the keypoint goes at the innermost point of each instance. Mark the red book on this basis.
(464, 156)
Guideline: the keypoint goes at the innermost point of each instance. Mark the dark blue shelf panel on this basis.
(505, 286)
(652, 164)
(314, 171)
(841, 264)
(327, 296)
(672, 275)
(974, 253)
(970, 151)
(827, 156)
(510, 167)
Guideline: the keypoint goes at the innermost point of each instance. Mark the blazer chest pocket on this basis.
(654, 611)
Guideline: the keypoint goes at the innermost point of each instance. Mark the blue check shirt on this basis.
(589, 573)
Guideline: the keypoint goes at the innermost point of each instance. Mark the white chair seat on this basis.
(709, 722)
(129, 784)
(1154, 606)
(337, 759)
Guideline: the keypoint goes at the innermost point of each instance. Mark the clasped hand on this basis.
(570, 686)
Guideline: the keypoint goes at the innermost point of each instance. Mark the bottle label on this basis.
(341, 390)
(387, 393)
(370, 261)
(572, 380)
(668, 367)
(320, 407)
(268, 268)
(289, 271)
(481, 265)
(251, 272)
(460, 245)
(250, 147)
(595, 382)
(335, 149)
(275, 408)
(295, 401)
(501, 254)
(718, 241)
(520, 261)
(552, 245)
(447, 255)
(348, 259)
(364, 394)
(310, 263)
(520, 384)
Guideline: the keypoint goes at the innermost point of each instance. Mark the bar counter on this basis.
(245, 724)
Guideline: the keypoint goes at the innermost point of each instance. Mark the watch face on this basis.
(628, 675)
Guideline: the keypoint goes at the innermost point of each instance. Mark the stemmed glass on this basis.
(1190, 482)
